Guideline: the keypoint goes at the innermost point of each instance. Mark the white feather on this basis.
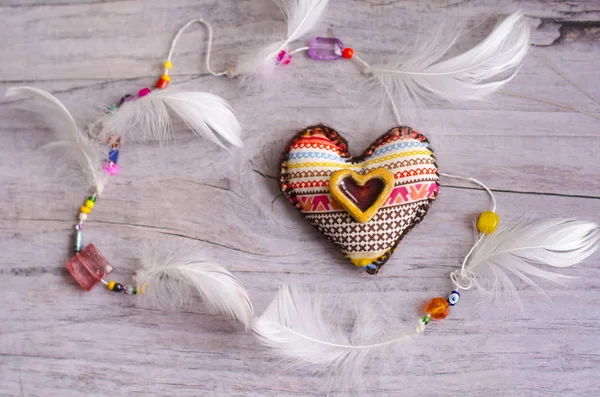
(148, 118)
(471, 75)
(520, 250)
(301, 16)
(295, 327)
(88, 154)
(172, 282)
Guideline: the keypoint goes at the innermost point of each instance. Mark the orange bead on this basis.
(348, 53)
(162, 83)
(438, 308)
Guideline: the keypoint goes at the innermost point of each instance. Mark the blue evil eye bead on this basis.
(453, 298)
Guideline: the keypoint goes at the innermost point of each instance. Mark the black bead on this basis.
(118, 287)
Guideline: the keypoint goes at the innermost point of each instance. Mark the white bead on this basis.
(82, 216)
(420, 328)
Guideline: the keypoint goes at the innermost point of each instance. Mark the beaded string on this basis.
(88, 266)
(438, 308)
(167, 65)
(332, 48)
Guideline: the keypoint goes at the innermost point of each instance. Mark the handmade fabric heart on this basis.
(364, 204)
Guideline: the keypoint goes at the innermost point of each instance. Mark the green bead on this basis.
(92, 199)
(426, 320)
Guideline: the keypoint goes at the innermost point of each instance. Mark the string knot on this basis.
(463, 279)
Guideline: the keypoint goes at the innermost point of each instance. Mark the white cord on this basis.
(208, 48)
(464, 178)
(298, 50)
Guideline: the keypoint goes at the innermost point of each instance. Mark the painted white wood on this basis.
(56, 340)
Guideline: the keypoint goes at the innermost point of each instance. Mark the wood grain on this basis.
(56, 340)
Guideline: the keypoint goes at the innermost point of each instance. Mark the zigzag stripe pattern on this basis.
(390, 166)
(316, 145)
(344, 165)
(331, 156)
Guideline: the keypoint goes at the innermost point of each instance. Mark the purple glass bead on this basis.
(325, 48)
(143, 92)
(126, 98)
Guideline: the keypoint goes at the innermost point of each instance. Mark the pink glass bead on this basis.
(284, 58)
(325, 48)
(88, 267)
(144, 92)
(111, 168)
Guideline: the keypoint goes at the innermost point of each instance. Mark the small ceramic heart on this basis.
(361, 195)
(364, 204)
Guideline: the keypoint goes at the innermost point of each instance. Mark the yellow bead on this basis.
(166, 77)
(89, 204)
(167, 65)
(111, 285)
(85, 210)
(488, 222)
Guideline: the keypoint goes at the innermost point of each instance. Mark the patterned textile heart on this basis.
(316, 153)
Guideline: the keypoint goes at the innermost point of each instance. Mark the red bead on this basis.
(162, 83)
(348, 53)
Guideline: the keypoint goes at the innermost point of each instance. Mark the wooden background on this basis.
(56, 340)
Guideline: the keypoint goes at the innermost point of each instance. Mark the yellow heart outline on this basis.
(383, 174)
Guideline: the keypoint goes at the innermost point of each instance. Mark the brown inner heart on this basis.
(362, 196)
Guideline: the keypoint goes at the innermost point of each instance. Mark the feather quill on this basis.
(520, 250)
(87, 153)
(147, 118)
(295, 327)
(471, 75)
(172, 282)
(301, 16)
